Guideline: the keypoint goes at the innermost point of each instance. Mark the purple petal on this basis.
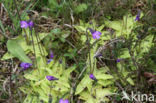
(51, 78)
(49, 60)
(91, 76)
(138, 16)
(24, 24)
(91, 30)
(31, 24)
(66, 101)
(96, 35)
(22, 64)
(118, 60)
(63, 101)
(25, 65)
(51, 55)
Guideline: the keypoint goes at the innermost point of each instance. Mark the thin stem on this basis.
(27, 40)
(50, 96)
(40, 47)
(33, 46)
(34, 51)
(88, 43)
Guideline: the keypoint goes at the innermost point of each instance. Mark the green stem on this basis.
(27, 40)
(88, 43)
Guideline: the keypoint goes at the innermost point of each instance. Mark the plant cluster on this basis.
(89, 55)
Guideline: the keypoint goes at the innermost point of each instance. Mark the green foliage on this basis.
(16, 50)
(122, 28)
(13, 16)
(144, 46)
(135, 48)
(18, 47)
(124, 53)
(41, 87)
(80, 8)
(95, 89)
(91, 91)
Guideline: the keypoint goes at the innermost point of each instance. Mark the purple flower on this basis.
(118, 60)
(31, 24)
(138, 16)
(26, 24)
(91, 76)
(64, 101)
(95, 34)
(51, 55)
(25, 65)
(51, 78)
(49, 60)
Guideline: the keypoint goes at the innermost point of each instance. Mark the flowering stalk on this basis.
(40, 47)
(138, 16)
(50, 98)
(51, 78)
(88, 43)
(27, 40)
(27, 24)
(33, 46)
(51, 57)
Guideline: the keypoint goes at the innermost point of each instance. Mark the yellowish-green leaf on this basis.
(101, 93)
(130, 81)
(7, 56)
(103, 76)
(83, 84)
(124, 53)
(16, 50)
(116, 25)
(105, 82)
(80, 28)
(34, 75)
